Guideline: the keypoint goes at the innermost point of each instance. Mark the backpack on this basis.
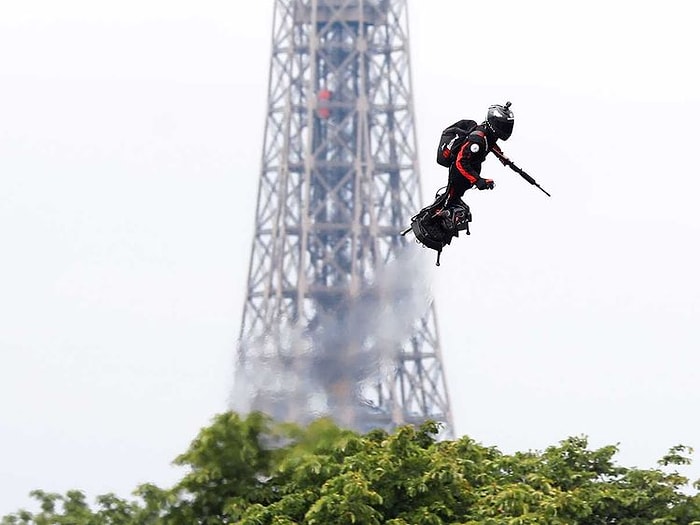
(452, 139)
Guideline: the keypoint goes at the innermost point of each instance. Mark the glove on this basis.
(485, 184)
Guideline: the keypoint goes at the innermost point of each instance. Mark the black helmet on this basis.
(499, 119)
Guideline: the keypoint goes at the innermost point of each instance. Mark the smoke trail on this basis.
(301, 373)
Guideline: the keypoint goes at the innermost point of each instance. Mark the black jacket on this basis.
(465, 171)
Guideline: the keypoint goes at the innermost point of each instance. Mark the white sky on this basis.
(130, 144)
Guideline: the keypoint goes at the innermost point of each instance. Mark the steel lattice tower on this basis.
(339, 181)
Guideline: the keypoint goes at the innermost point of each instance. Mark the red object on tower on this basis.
(323, 104)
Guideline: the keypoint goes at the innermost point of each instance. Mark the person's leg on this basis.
(455, 190)
(456, 186)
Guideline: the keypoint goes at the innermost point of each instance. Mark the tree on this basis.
(253, 471)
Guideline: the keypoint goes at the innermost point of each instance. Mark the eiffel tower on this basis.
(337, 320)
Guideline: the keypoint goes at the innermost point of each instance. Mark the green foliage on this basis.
(228, 465)
(252, 471)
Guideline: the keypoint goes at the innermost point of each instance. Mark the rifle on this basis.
(507, 162)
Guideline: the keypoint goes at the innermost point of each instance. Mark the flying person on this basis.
(462, 149)
(464, 154)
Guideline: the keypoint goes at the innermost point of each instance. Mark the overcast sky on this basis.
(130, 145)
